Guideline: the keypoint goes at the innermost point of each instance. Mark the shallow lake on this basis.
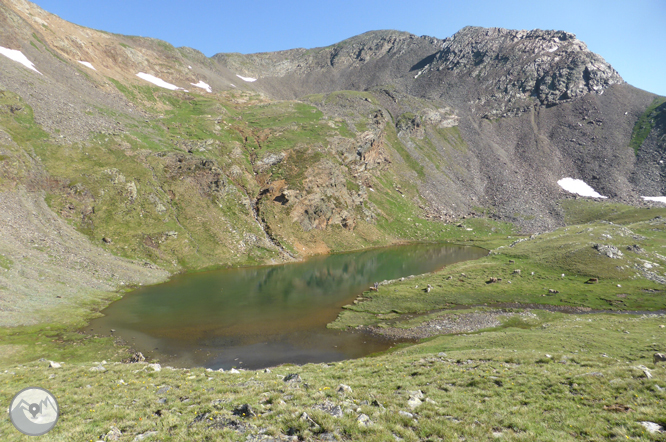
(255, 317)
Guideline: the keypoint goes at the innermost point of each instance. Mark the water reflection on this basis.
(263, 316)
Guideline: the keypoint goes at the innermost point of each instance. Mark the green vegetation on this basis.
(5, 262)
(646, 122)
(553, 268)
(37, 38)
(550, 377)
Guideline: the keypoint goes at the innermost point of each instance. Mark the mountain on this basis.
(124, 159)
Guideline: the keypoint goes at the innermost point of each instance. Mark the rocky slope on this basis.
(163, 155)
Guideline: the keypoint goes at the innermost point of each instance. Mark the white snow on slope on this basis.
(659, 199)
(202, 85)
(19, 57)
(88, 65)
(248, 79)
(578, 187)
(159, 82)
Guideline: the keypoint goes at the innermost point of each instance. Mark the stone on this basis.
(646, 371)
(658, 357)
(136, 358)
(330, 408)
(292, 378)
(54, 365)
(113, 435)
(155, 367)
(608, 250)
(343, 389)
(406, 414)
(516, 272)
(414, 402)
(313, 425)
(652, 427)
(107, 240)
(244, 411)
(592, 281)
(100, 368)
(164, 389)
(234, 371)
(145, 435)
(363, 420)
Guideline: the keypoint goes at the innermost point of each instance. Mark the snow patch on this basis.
(578, 187)
(553, 49)
(18, 56)
(88, 65)
(659, 199)
(158, 82)
(202, 85)
(248, 79)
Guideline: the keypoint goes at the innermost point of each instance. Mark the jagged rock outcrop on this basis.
(511, 67)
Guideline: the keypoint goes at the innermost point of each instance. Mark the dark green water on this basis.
(256, 317)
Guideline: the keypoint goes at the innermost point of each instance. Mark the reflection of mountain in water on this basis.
(322, 279)
(283, 308)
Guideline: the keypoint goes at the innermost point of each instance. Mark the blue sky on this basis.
(629, 35)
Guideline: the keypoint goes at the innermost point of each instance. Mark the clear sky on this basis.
(631, 35)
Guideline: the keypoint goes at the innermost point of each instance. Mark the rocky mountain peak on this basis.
(513, 67)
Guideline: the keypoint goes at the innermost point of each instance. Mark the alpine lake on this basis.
(256, 317)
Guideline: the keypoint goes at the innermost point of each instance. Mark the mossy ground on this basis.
(554, 378)
(554, 268)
